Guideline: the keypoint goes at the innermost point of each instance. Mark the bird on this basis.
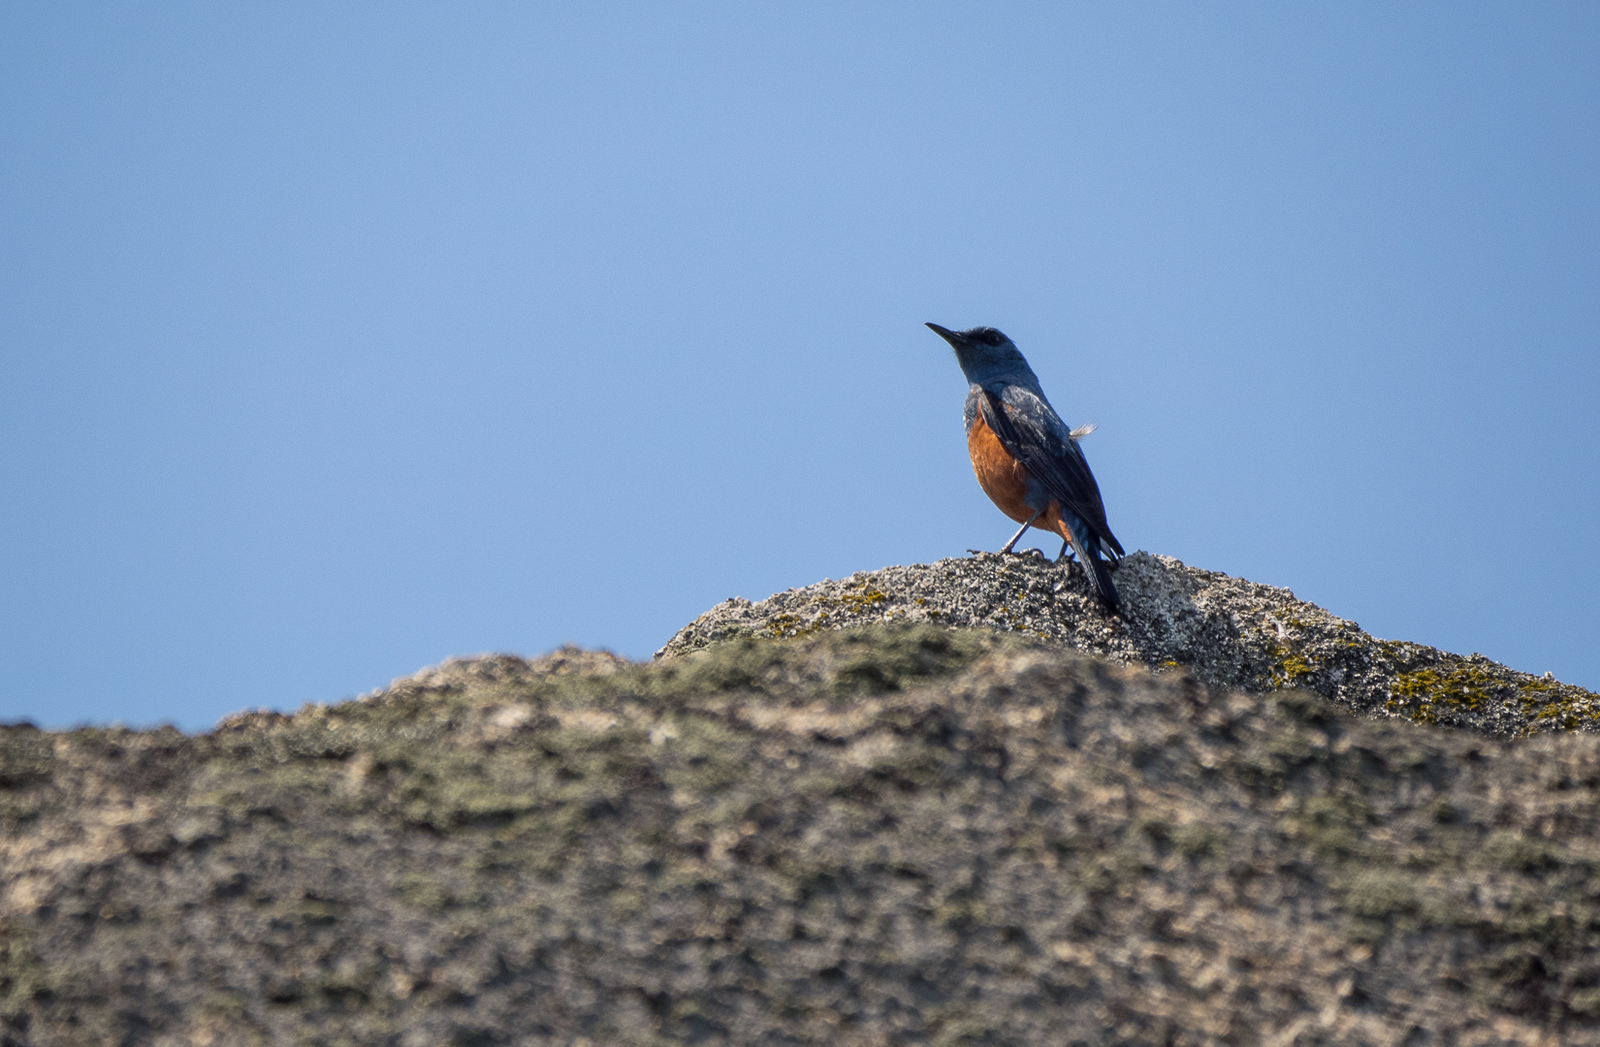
(1026, 458)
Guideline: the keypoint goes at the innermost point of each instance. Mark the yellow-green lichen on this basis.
(1424, 694)
(856, 598)
(1296, 666)
(1291, 667)
(1557, 705)
(792, 626)
(865, 598)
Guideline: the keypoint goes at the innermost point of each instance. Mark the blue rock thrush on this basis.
(1027, 460)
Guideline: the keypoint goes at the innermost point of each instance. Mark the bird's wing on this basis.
(1035, 436)
(969, 410)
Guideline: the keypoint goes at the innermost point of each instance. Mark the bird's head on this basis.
(985, 354)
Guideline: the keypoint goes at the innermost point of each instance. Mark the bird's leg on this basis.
(1066, 553)
(1006, 548)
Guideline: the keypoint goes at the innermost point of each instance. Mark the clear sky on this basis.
(340, 339)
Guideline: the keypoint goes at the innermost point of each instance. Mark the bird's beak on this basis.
(944, 332)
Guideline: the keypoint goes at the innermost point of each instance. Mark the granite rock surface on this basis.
(1226, 631)
(792, 829)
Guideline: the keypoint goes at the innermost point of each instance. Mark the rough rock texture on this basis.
(897, 835)
(1225, 630)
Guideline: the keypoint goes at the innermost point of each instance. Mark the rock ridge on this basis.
(1227, 631)
(898, 834)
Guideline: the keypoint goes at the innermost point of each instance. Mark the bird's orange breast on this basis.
(1002, 477)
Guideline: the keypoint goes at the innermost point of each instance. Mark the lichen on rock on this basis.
(886, 834)
(1227, 631)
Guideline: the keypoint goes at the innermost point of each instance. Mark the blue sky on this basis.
(340, 339)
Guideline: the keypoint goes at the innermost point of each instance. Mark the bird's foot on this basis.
(1006, 548)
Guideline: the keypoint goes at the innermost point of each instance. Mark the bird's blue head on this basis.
(986, 355)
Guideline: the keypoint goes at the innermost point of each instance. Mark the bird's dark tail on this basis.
(1100, 582)
(1095, 569)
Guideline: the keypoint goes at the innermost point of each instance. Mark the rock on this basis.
(1226, 631)
(888, 834)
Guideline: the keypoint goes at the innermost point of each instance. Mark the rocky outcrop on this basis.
(1226, 631)
(956, 805)
(889, 835)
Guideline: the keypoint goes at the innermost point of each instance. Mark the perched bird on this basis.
(1027, 460)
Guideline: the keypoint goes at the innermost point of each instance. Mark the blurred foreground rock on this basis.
(1226, 631)
(890, 835)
